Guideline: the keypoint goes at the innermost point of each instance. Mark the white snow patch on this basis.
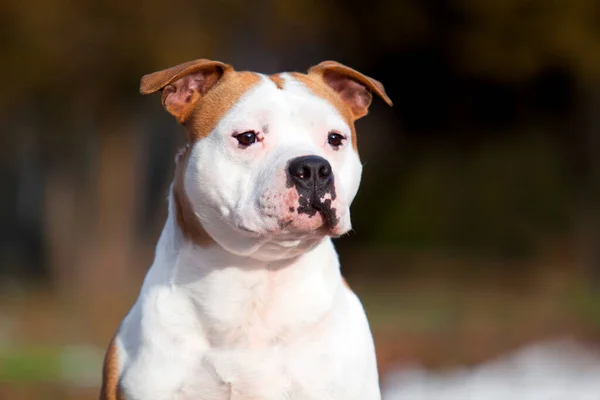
(554, 370)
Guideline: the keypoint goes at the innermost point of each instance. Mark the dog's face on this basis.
(272, 164)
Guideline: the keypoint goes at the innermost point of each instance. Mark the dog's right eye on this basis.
(246, 138)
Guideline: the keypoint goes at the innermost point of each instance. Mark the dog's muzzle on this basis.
(313, 178)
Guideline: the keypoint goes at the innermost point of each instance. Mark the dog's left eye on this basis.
(335, 139)
(246, 138)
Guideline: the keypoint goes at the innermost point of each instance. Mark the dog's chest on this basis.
(245, 345)
(305, 370)
(271, 374)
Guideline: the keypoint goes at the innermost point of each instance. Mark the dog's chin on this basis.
(299, 226)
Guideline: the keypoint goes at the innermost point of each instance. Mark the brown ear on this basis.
(183, 84)
(354, 87)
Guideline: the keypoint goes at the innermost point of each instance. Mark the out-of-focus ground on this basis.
(429, 331)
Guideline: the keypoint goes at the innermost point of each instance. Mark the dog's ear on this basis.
(183, 84)
(353, 87)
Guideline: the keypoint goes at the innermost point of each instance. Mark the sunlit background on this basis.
(476, 243)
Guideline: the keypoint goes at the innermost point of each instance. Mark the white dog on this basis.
(245, 299)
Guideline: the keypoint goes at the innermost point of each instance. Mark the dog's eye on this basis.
(246, 138)
(335, 139)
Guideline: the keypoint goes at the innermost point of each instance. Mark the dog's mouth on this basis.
(286, 229)
(246, 231)
(313, 219)
(321, 207)
(291, 214)
(310, 222)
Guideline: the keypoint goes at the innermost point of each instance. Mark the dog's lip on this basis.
(285, 228)
(321, 231)
(246, 230)
(241, 228)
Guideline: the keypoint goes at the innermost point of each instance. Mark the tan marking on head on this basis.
(184, 213)
(198, 93)
(277, 80)
(111, 375)
(215, 104)
(321, 89)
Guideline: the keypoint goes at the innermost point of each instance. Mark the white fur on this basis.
(264, 314)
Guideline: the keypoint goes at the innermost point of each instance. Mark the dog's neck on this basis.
(241, 299)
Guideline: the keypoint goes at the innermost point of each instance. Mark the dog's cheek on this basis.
(348, 178)
(280, 205)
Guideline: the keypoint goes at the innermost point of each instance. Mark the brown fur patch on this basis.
(277, 80)
(215, 104)
(321, 89)
(110, 375)
(184, 213)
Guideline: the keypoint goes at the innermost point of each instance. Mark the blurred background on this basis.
(476, 249)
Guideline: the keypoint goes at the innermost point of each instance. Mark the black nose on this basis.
(311, 172)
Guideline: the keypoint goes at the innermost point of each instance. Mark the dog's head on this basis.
(271, 164)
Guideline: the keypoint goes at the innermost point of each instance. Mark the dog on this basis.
(245, 299)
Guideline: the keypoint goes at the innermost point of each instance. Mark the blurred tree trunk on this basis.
(588, 201)
(109, 248)
(61, 233)
(90, 227)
